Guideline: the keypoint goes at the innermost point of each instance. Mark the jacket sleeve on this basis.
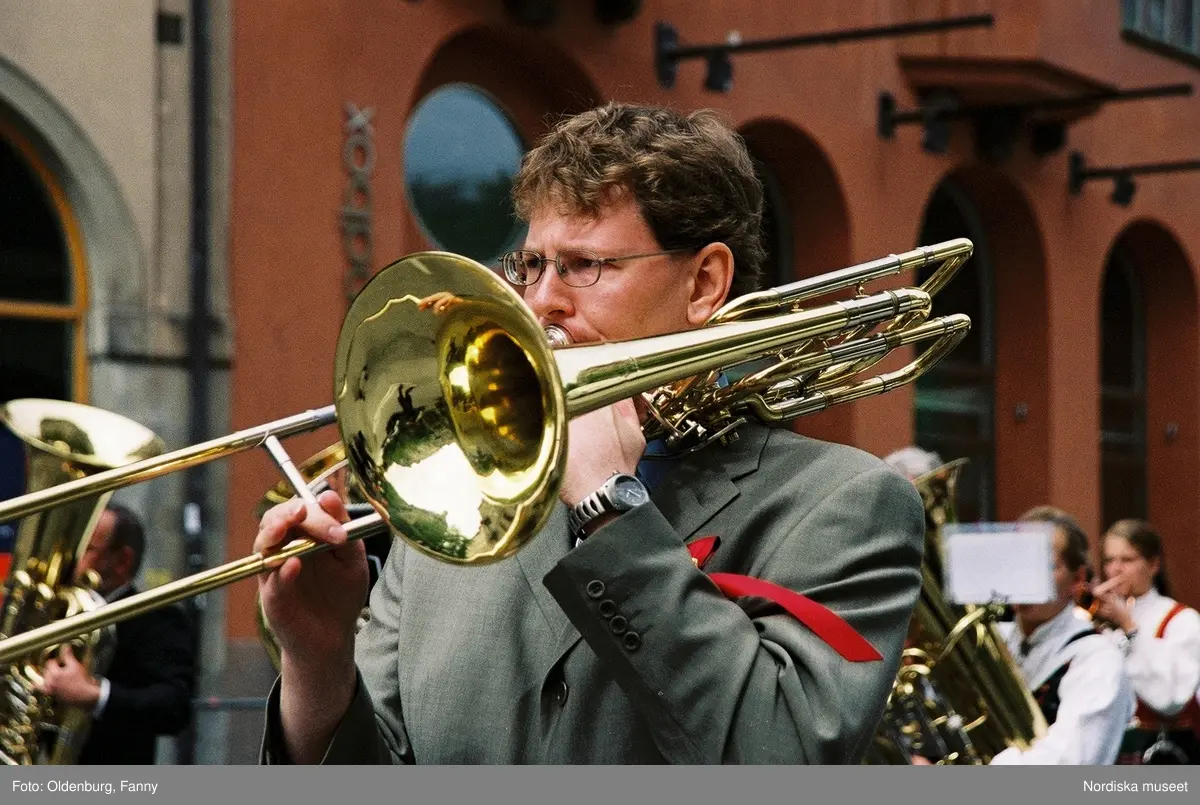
(721, 681)
(160, 697)
(372, 731)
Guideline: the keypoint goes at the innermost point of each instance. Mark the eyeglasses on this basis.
(575, 267)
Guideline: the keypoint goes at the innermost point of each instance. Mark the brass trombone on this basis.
(453, 407)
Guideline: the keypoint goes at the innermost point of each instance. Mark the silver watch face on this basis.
(628, 492)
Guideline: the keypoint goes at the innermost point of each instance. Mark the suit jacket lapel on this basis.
(537, 559)
(698, 488)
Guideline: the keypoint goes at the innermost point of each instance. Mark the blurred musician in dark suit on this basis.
(147, 689)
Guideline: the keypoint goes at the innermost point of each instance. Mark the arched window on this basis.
(41, 306)
(955, 400)
(1123, 392)
(461, 152)
(41, 303)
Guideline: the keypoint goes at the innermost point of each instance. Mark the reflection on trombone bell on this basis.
(440, 302)
(473, 478)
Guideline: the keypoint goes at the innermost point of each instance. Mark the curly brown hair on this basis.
(691, 176)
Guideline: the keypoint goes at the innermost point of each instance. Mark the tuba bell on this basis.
(63, 441)
(958, 698)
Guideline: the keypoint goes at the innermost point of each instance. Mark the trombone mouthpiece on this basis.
(557, 336)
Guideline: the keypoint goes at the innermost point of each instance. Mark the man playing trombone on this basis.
(618, 635)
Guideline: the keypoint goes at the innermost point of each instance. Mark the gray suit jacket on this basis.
(622, 651)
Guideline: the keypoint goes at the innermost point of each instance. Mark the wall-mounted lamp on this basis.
(617, 12)
(534, 13)
(1124, 188)
(719, 78)
(997, 126)
(541, 13)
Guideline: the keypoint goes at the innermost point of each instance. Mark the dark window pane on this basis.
(945, 220)
(33, 254)
(461, 154)
(1121, 341)
(1122, 413)
(954, 400)
(1124, 484)
(35, 359)
(1129, 13)
(1122, 396)
(34, 362)
(1170, 22)
(1182, 33)
(1154, 14)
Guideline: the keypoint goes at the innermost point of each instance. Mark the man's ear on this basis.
(710, 283)
(125, 562)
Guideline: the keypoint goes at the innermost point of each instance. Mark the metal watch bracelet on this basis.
(587, 510)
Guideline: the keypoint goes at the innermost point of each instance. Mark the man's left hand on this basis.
(69, 682)
(598, 444)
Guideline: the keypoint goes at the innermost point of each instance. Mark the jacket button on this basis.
(607, 608)
(632, 641)
(618, 624)
(559, 692)
(595, 588)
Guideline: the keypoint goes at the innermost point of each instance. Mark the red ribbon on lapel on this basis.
(824, 623)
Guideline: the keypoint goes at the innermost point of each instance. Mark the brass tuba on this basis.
(958, 698)
(63, 441)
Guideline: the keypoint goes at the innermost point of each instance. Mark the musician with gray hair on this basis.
(745, 603)
(912, 462)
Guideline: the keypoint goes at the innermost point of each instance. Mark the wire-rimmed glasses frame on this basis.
(578, 268)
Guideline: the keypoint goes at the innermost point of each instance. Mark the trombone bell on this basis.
(452, 414)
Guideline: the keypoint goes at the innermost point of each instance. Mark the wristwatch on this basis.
(620, 493)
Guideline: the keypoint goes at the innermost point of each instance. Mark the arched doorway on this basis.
(42, 299)
(1150, 379)
(955, 401)
(42, 294)
(806, 229)
(989, 400)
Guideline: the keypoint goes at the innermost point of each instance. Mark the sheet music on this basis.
(999, 562)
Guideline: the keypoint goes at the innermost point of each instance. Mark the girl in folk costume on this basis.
(1161, 640)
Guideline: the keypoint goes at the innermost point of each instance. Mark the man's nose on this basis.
(550, 297)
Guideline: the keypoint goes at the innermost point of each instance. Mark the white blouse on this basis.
(1165, 671)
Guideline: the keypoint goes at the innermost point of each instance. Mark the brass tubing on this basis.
(164, 464)
(26, 643)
